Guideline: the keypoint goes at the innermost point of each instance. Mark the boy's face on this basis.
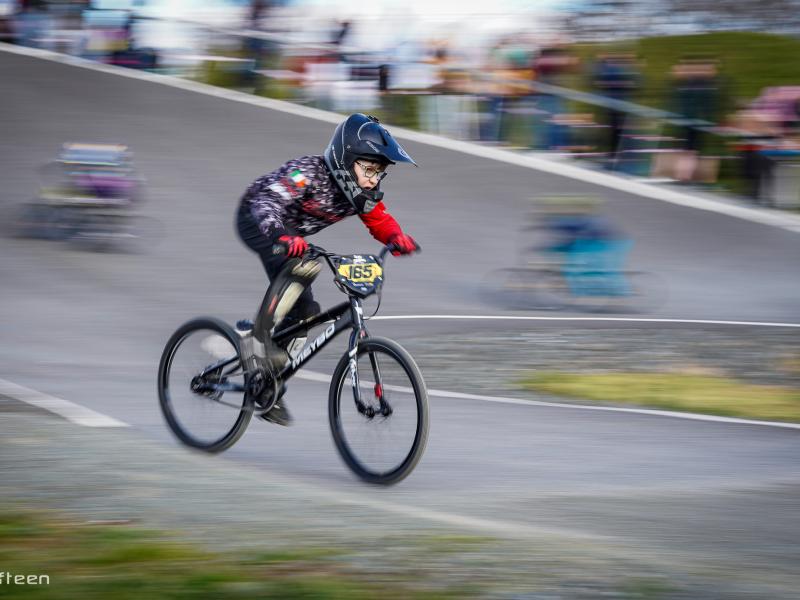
(368, 173)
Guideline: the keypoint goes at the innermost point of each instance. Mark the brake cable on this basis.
(377, 308)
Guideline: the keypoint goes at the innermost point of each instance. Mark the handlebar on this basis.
(315, 251)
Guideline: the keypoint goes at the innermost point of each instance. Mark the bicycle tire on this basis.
(523, 288)
(177, 424)
(645, 292)
(390, 354)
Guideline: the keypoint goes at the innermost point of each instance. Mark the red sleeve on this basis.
(381, 224)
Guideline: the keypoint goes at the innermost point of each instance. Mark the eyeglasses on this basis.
(370, 171)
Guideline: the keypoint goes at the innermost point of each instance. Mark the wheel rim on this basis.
(380, 447)
(198, 418)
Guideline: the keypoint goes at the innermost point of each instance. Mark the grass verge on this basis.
(709, 394)
(89, 561)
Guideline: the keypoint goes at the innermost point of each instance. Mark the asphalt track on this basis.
(89, 327)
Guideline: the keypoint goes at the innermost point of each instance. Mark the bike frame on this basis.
(347, 315)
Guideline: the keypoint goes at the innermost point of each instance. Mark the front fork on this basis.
(359, 332)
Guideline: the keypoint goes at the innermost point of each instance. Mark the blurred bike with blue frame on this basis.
(578, 262)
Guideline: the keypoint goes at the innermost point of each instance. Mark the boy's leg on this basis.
(288, 296)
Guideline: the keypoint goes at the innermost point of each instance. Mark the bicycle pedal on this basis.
(268, 398)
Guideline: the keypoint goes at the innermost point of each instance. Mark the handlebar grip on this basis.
(392, 247)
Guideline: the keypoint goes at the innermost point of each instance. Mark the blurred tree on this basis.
(627, 19)
(714, 15)
(608, 19)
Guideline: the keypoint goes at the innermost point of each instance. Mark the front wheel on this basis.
(201, 385)
(383, 440)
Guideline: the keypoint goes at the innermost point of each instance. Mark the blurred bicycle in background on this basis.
(578, 262)
(88, 196)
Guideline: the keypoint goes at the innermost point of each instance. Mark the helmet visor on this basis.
(395, 153)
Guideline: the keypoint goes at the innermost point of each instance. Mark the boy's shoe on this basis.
(279, 414)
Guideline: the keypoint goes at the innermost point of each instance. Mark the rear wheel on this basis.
(522, 288)
(200, 358)
(385, 442)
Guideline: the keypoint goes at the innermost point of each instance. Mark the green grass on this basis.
(88, 562)
(674, 391)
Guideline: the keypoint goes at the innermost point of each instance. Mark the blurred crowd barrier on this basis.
(515, 94)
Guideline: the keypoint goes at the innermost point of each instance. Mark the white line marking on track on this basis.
(305, 488)
(600, 319)
(773, 218)
(75, 413)
(506, 528)
(323, 378)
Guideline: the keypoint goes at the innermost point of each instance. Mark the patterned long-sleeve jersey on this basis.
(301, 198)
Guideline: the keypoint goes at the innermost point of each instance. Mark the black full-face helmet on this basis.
(361, 136)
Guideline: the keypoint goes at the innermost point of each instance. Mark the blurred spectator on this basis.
(769, 139)
(509, 79)
(33, 24)
(696, 84)
(8, 8)
(779, 107)
(126, 54)
(254, 47)
(106, 32)
(695, 97)
(616, 76)
(258, 9)
(449, 109)
(551, 66)
(339, 38)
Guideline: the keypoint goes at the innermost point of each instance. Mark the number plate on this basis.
(360, 274)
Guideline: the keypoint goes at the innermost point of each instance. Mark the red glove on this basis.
(295, 245)
(403, 244)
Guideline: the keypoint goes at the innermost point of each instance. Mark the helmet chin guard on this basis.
(361, 136)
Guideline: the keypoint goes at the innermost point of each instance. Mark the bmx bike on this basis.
(377, 402)
(591, 277)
